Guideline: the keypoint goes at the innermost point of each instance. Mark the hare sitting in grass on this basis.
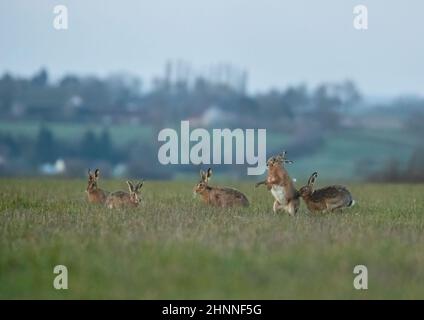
(281, 185)
(330, 198)
(120, 199)
(218, 196)
(94, 193)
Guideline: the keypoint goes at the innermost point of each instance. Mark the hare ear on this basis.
(312, 179)
(139, 185)
(130, 185)
(270, 160)
(89, 172)
(202, 174)
(283, 155)
(96, 173)
(209, 174)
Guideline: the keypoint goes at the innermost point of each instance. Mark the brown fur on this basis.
(330, 198)
(279, 183)
(94, 193)
(121, 199)
(218, 196)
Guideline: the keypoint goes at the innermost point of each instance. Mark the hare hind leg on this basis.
(277, 206)
(336, 206)
(292, 207)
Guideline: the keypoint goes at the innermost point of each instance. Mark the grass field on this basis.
(175, 247)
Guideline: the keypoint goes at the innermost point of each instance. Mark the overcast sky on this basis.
(279, 42)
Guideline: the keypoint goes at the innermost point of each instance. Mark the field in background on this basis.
(342, 153)
(175, 247)
(339, 157)
(120, 134)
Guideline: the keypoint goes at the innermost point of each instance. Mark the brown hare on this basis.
(281, 185)
(326, 199)
(218, 196)
(94, 193)
(120, 199)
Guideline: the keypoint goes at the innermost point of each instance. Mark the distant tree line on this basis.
(120, 98)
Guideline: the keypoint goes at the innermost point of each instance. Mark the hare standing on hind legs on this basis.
(217, 196)
(326, 199)
(281, 185)
(120, 199)
(94, 193)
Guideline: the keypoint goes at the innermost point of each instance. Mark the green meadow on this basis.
(342, 156)
(174, 247)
